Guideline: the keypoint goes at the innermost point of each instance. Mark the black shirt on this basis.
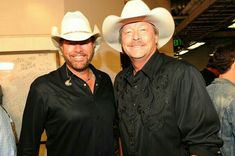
(165, 110)
(77, 122)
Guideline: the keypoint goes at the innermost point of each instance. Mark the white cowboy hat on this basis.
(75, 27)
(134, 11)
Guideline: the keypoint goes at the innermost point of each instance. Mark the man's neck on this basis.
(84, 74)
(229, 76)
(138, 64)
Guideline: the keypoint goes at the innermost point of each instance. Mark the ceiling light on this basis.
(6, 66)
(183, 52)
(193, 46)
(196, 45)
(232, 26)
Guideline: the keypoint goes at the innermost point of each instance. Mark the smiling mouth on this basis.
(79, 57)
(136, 46)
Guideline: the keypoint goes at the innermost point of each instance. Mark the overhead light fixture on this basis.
(211, 54)
(192, 46)
(232, 25)
(196, 45)
(183, 52)
(6, 66)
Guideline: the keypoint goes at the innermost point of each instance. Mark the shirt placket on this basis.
(132, 130)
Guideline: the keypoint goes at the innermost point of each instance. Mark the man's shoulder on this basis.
(170, 61)
(175, 66)
(43, 81)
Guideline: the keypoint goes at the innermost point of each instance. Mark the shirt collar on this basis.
(65, 77)
(223, 81)
(153, 65)
(149, 68)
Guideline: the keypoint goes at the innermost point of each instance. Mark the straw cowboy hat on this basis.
(134, 11)
(75, 27)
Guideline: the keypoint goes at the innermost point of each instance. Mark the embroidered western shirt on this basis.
(165, 110)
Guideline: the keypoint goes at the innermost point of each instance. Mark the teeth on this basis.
(79, 57)
(136, 46)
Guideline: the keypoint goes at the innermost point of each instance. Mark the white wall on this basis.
(26, 24)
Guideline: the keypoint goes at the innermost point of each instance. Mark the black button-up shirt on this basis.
(77, 122)
(165, 110)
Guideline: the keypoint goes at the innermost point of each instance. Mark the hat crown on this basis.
(75, 22)
(135, 8)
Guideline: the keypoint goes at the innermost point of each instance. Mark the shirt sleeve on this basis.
(196, 116)
(7, 140)
(32, 124)
(231, 116)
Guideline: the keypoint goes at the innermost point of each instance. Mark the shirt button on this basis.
(134, 104)
(96, 84)
(84, 85)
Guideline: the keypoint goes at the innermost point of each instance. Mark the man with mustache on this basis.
(163, 106)
(75, 103)
(222, 93)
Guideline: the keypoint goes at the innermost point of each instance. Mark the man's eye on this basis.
(128, 31)
(143, 29)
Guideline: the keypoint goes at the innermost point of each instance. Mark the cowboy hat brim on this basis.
(78, 36)
(159, 17)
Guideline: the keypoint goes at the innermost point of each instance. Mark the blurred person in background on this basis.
(210, 72)
(7, 138)
(222, 93)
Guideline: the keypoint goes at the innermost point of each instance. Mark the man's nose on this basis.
(78, 47)
(136, 35)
